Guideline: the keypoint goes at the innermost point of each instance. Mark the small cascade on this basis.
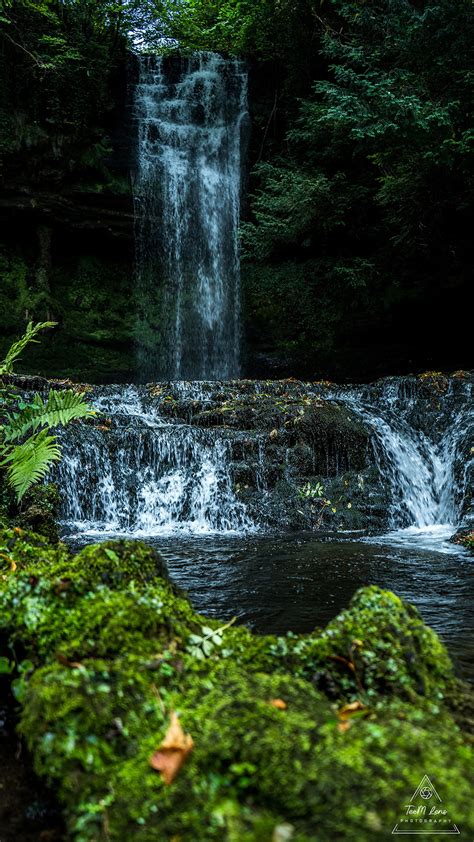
(192, 123)
(423, 450)
(197, 457)
(137, 473)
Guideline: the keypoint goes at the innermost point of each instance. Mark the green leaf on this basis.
(6, 666)
(29, 462)
(6, 366)
(59, 409)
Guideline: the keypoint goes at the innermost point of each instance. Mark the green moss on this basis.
(114, 648)
(378, 645)
(39, 511)
(118, 562)
(21, 550)
(93, 729)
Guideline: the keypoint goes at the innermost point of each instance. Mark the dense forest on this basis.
(355, 234)
(236, 420)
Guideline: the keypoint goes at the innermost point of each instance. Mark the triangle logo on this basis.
(425, 814)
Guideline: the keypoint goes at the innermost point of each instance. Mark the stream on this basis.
(155, 473)
(278, 583)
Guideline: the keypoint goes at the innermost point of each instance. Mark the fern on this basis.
(6, 366)
(59, 409)
(29, 462)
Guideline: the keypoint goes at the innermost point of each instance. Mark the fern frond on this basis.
(58, 410)
(29, 462)
(6, 366)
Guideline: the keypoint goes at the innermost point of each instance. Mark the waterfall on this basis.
(423, 450)
(192, 122)
(140, 474)
(164, 459)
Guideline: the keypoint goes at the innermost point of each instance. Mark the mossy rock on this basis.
(22, 550)
(255, 765)
(40, 511)
(379, 645)
(112, 562)
(337, 437)
(113, 649)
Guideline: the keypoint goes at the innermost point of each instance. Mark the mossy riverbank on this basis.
(319, 737)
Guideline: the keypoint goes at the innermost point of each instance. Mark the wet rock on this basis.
(40, 509)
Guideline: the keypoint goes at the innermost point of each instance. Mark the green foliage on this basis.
(59, 409)
(105, 654)
(31, 332)
(248, 27)
(59, 63)
(29, 461)
(367, 204)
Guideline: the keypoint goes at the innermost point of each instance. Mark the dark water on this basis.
(275, 584)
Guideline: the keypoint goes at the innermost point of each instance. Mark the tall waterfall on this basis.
(192, 122)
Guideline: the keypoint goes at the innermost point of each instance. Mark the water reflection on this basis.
(279, 583)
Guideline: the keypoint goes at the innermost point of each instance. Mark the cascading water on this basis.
(425, 462)
(192, 123)
(140, 474)
(164, 459)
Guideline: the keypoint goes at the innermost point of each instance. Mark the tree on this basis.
(369, 205)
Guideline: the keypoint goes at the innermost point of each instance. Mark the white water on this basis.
(427, 474)
(150, 474)
(147, 476)
(192, 118)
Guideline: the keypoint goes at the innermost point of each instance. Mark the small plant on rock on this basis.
(314, 494)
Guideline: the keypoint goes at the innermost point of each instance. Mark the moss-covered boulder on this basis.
(38, 510)
(318, 737)
(268, 751)
(379, 645)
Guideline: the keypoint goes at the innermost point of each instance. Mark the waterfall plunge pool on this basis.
(160, 476)
(279, 583)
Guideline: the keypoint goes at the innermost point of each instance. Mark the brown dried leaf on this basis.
(173, 751)
(75, 665)
(278, 703)
(350, 709)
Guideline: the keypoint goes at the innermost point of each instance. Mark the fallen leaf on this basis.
(344, 726)
(350, 709)
(75, 665)
(278, 703)
(274, 435)
(173, 751)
